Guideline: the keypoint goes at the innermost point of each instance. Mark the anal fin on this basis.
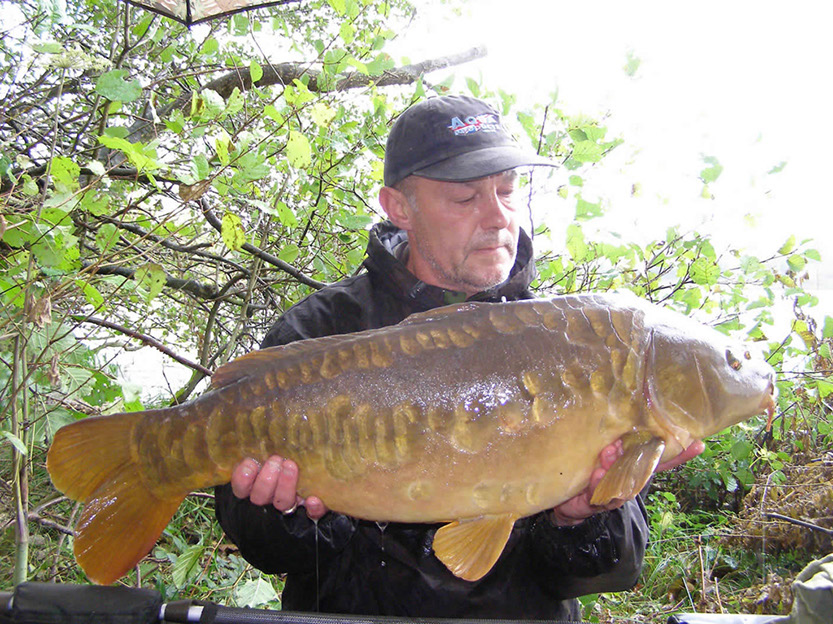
(470, 547)
(630, 473)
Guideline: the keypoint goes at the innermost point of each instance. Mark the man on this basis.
(452, 235)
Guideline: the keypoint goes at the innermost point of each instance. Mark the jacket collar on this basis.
(382, 262)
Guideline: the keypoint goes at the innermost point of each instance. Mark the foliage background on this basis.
(179, 189)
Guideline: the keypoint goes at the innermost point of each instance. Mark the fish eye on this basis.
(734, 363)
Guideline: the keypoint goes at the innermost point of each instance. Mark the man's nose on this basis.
(495, 213)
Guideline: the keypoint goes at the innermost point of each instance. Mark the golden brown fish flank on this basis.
(370, 417)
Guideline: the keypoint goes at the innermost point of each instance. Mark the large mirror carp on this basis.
(423, 421)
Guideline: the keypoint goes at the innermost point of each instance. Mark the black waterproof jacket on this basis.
(345, 565)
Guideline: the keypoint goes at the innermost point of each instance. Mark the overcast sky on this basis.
(744, 82)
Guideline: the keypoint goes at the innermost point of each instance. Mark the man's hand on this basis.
(577, 509)
(275, 483)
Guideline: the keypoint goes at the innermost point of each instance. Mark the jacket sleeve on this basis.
(602, 554)
(277, 543)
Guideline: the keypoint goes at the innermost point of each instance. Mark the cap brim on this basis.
(482, 163)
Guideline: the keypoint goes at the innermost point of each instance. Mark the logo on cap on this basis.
(486, 122)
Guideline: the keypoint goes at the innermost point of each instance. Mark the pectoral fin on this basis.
(469, 548)
(632, 470)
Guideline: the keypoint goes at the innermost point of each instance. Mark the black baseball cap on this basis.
(454, 138)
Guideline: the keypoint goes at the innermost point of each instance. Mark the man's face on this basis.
(463, 235)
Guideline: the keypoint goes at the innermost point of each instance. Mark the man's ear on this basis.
(396, 206)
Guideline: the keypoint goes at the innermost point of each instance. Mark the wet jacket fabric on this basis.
(345, 565)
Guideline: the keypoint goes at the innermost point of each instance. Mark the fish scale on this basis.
(472, 415)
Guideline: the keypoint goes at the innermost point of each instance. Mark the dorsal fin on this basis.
(257, 361)
(444, 312)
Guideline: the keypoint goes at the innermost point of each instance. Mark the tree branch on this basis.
(214, 222)
(148, 340)
(193, 287)
(286, 73)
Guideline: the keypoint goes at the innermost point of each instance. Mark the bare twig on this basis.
(801, 523)
(148, 340)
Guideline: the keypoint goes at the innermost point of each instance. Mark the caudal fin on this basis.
(91, 461)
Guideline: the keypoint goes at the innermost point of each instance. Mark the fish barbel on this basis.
(472, 415)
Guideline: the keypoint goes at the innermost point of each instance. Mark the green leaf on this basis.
(778, 168)
(186, 564)
(587, 151)
(48, 48)
(151, 277)
(587, 210)
(235, 102)
(255, 71)
(211, 104)
(347, 33)
(65, 171)
(113, 86)
(340, 6)
(210, 46)
(298, 150)
(322, 114)
(796, 262)
(234, 236)
(825, 387)
(576, 245)
(91, 293)
(788, 246)
(15, 442)
(106, 237)
(255, 593)
(704, 271)
(713, 171)
(742, 449)
(632, 64)
(286, 215)
(827, 331)
(289, 253)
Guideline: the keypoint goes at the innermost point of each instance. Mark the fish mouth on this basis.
(768, 404)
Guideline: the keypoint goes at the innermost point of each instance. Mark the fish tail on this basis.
(91, 460)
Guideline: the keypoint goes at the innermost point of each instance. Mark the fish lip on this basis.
(769, 404)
